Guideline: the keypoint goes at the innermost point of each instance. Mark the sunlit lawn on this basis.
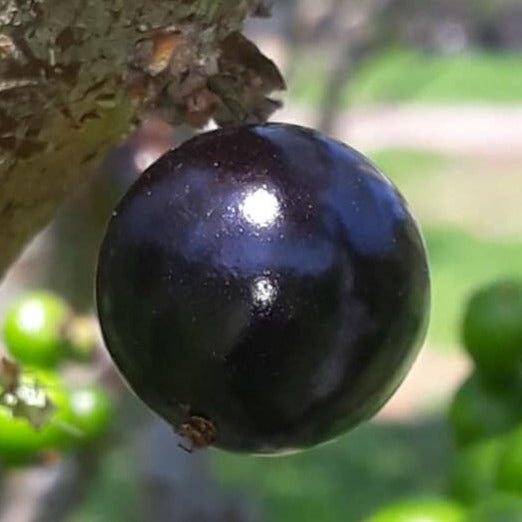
(400, 75)
(472, 221)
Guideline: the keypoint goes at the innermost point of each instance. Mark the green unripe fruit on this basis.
(477, 413)
(492, 332)
(34, 329)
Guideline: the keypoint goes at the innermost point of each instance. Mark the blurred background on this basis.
(432, 92)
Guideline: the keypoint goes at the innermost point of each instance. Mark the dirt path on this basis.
(475, 129)
(429, 386)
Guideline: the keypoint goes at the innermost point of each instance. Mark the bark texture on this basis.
(75, 75)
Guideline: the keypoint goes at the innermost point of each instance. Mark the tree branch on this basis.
(75, 76)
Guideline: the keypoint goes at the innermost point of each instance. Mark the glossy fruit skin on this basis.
(477, 412)
(33, 329)
(268, 279)
(421, 510)
(492, 332)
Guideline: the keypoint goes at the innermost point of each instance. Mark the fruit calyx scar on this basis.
(197, 429)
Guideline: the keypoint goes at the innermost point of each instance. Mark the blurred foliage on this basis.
(400, 75)
(114, 495)
(345, 480)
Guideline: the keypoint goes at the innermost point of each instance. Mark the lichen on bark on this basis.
(75, 76)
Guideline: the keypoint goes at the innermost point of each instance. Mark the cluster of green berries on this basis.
(39, 413)
(485, 482)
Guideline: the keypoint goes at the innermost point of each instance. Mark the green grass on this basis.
(400, 75)
(406, 167)
(460, 263)
(460, 259)
(346, 480)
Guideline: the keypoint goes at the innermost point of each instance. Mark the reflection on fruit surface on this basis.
(265, 278)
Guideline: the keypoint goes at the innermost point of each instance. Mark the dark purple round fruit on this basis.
(263, 288)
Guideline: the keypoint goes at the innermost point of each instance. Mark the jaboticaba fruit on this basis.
(263, 288)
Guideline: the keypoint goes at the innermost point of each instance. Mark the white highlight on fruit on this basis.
(261, 207)
(264, 292)
(32, 316)
(82, 401)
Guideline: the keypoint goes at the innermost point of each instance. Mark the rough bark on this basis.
(76, 75)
